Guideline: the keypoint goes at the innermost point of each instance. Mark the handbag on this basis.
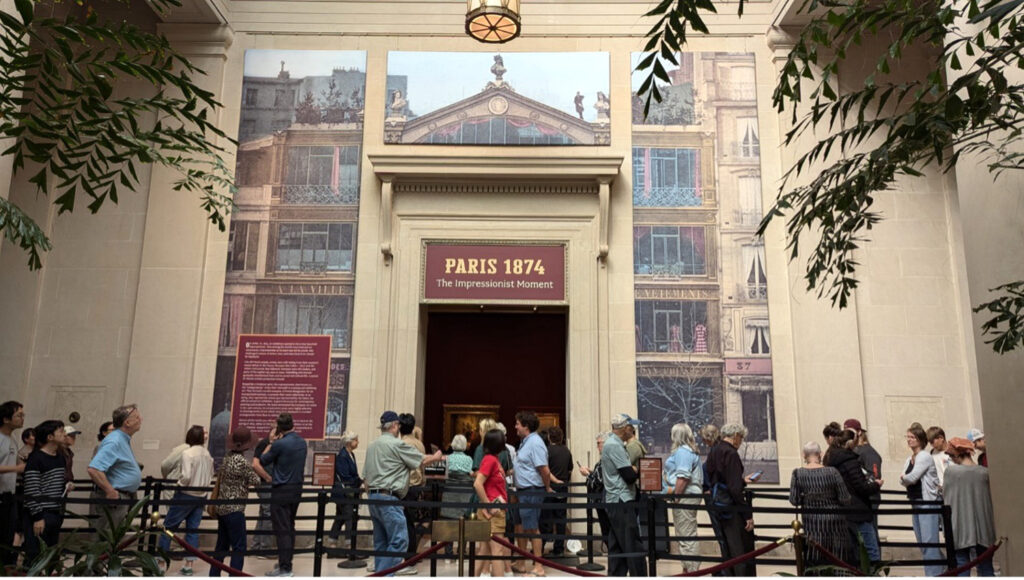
(211, 509)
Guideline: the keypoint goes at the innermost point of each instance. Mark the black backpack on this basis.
(595, 481)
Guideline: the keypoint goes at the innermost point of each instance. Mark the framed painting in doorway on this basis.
(466, 419)
(548, 420)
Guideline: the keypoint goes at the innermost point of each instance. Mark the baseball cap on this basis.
(853, 424)
(621, 420)
(388, 417)
(959, 444)
(975, 434)
(72, 430)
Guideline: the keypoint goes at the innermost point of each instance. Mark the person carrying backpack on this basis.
(595, 486)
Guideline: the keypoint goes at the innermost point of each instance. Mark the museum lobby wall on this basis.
(129, 303)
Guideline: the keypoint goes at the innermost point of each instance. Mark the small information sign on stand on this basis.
(323, 469)
(650, 474)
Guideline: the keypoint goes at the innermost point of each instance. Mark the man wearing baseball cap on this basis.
(70, 436)
(388, 461)
(977, 437)
(620, 493)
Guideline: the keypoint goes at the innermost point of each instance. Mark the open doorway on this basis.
(515, 361)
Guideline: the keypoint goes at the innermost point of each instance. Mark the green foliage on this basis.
(1007, 327)
(885, 129)
(59, 103)
(115, 553)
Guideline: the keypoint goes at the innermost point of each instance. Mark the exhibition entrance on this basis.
(486, 363)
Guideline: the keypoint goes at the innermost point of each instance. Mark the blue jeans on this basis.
(985, 568)
(926, 530)
(191, 513)
(869, 535)
(231, 536)
(389, 532)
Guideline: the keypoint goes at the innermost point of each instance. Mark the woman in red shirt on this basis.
(490, 489)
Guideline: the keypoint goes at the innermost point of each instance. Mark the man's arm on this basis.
(546, 477)
(101, 481)
(19, 468)
(258, 468)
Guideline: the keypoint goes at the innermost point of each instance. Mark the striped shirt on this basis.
(44, 483)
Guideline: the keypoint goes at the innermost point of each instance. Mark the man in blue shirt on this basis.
(114, 469)
(287, 460)
(620, 495)
(532, 479)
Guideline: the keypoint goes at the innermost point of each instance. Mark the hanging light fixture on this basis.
(492, 21)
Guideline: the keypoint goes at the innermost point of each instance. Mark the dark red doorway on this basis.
(514, 360)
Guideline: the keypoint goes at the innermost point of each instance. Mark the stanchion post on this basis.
(652, 533)
(352, 529)
(318, 539)
(590, 565)
(947, 534)
(433, 558)
(798, 547)
(157, 489)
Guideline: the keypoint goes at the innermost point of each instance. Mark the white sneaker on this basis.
(407, 571)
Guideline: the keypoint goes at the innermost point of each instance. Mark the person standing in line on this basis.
(346, 486)
(196, 471)
(533, 479)
(493, 495)
(829, 433)
(595, 486)
(870, 461)
(114, 469)
(104, 430)
(968, 496)
(287, 455)
(416, 492)
(725, 476)
(12, 417)
(458, 485)
(388, 461)
(620, 493)
(234, 479)
(922, 483)
(861, 489)
(977, 437)
(710, 436)
(937, 439)
(486, 424)
(71, 434)
(28, 444)
(819, 487)
(685, 476)
(263, 535)
(560, 463)
(44, 489)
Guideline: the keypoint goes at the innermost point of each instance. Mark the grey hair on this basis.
(501, 427)
(348, 437)
(601, 437)
(387, 426)
(121, 414)
(459, 442)
(682, 436)
(733, 429)
(812, 448)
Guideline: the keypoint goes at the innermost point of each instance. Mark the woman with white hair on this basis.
(458, 486)
(346, 486)
(685, 476)
(821, 488)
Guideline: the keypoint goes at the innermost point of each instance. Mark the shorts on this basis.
(497, 521)
(529, 517)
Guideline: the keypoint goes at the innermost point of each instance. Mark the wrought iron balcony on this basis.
(667, 197)
(320, 195)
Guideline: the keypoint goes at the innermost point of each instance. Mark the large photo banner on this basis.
(703, 346)
(292, 245)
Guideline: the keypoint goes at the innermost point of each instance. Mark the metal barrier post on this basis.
(318, 539)
(652, 536)
(590, 565)
(352, 530)
(433, 559)
(157, 488)
(798, 547)
(947, 533)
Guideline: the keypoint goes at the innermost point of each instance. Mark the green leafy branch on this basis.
(1007, 326)
(58, 79)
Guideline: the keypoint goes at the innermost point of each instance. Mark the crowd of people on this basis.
(840, 485)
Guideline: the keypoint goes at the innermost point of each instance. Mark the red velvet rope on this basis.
(737, 560)
(410, 561)
(834, 559)
(981, 558)
(542, 561)
(208, 559)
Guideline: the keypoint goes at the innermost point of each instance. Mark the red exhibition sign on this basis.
(282, 373)
(494, 272)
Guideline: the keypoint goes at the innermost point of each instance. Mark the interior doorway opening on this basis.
(501, 361)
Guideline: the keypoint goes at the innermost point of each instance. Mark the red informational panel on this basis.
(493, 272)
(281, 374)
(650, 474)
(323, 469)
